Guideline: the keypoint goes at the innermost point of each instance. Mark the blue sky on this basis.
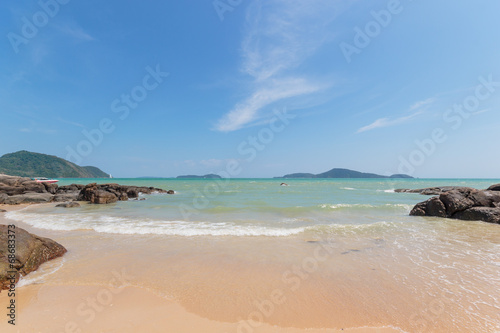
(186, 87)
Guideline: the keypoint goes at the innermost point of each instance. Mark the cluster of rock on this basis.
(463, 203)
(109, 193)
(431, 190)
(31, 251)
(16, 190)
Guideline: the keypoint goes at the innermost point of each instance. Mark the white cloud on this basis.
(419, 108)
(247, 111)
(386, 122)
(280, 36)
(76, 32)
(423, 103)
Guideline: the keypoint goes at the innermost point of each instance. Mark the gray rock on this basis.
(3, 197)
(3, 211)
(432, 190)
(62, 197)
(69, 205)
(29, 198)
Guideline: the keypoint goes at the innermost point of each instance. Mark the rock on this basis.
(93, 194)
(29, 198)
(486, 214)
(435, 207)
(109, 193)
(432, 190)
(462, 203)
(3, 211)
(456, 201)
(14, 200)
(70, 188)
(69, 205)
(16, 190)
(70, 196)
(31, 252)
(420, 209)
(51, 188)
(3, 197)
(495, 187)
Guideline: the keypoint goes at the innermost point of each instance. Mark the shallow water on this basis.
(340, 253)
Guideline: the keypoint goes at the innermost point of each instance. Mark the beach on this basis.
(280, 272)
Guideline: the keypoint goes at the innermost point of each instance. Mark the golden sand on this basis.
(120, 283)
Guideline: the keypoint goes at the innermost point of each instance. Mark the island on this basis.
(342, 173)
(28, 164)
(209, 176)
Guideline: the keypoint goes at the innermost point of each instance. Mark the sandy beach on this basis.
(102, 296)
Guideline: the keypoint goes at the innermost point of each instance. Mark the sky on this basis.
(254, 88)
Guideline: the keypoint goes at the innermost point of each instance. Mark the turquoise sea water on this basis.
(247, 207)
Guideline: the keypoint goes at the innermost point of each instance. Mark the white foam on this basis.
(348, 188)
(122, 225)
(41, 273)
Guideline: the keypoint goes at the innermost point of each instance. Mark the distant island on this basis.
(209, 176)
(28, 164)
(341, 173)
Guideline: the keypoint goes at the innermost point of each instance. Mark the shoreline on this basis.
(122, 308)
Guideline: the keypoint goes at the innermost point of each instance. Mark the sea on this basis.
(345, 252)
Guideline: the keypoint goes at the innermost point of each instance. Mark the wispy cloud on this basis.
(74, 31)
(386, 122)
(280, 36)
(247, 111)
(420, 104)
(418, 108)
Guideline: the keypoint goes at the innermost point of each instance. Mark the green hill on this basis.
(341, 173)
(27, 164)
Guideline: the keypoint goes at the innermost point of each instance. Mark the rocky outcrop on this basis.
(431, 190)
(463, 204)
(31, 251)
(17, 190)
(109, 193)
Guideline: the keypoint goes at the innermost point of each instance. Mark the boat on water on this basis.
(45, 180)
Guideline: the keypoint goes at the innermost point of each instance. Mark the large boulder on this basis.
(30, 252)
(95, 195)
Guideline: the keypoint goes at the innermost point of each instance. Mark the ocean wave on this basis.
(132, 226)
(128, 226)
(348, 188)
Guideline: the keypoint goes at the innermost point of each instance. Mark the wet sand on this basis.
(120, 283)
